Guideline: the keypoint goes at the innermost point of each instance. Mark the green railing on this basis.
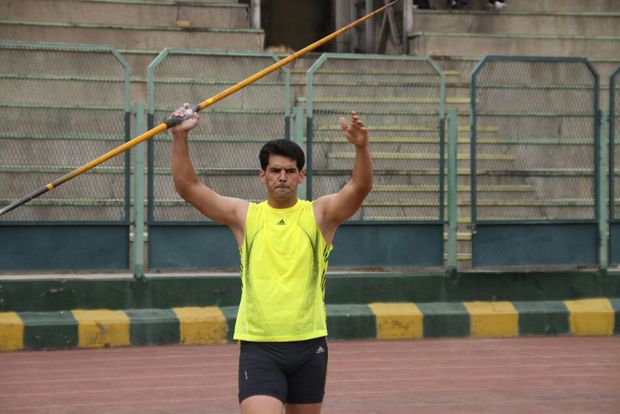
(64, 105)
(224, 147)
(402, 102)
(541, 115)
(544, 183)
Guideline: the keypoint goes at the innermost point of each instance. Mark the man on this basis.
(284, 245)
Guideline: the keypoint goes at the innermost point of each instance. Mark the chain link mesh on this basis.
(535, 139)
(400, 101)
(224, 147)
(63, 107)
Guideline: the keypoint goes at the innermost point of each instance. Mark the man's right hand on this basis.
(187, 125)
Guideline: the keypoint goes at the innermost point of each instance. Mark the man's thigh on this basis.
(260, 373)
(306, 383)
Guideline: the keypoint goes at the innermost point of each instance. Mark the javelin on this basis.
(173, 121)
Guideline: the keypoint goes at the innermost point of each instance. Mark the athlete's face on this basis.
(281, 178)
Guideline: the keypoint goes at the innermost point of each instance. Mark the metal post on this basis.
(255, 14)
(369, 47)
(408, 11)
(138, 227)
(603, 193)
(298, 138)
(355, 37)
(340, 10)
(452, 189)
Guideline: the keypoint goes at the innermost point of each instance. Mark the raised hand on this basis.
(355, 133)
(191, 119)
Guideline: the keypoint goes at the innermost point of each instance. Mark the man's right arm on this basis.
(225, 210)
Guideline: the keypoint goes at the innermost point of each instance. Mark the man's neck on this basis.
(282, 204)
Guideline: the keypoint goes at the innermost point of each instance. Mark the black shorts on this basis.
(292, 372)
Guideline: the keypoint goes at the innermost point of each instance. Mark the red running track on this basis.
(522, 375)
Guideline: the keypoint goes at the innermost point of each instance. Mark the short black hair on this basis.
(284, 147)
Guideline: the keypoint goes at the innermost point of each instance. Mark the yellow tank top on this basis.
(283, 265)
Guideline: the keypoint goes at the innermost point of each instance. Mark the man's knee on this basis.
(261, 404)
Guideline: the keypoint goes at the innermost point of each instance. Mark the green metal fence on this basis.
(224, 147)
(402, 101)
(535, 139)
(65, 105)
(539, 158)
(614, 167)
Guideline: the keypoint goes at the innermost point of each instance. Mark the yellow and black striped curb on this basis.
(210, 325)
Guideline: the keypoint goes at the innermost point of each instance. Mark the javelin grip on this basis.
(176, 120)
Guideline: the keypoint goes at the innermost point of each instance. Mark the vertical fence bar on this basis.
(138, 202)
(369, 26)
(614, 217)
(472, 148)
(452, 189)
(603, 193)
(287, 103)
(309, 123)
(354, 45)
(309, 157)
(127, 167)
(298, 138)
(612, 144)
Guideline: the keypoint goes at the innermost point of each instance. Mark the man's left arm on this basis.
(334, 209)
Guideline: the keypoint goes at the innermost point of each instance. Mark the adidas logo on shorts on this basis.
(320, 350)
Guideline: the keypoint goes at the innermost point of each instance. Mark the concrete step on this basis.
(167, 14)
(586, 23)
(215, 155)
(235, 70)
(353, 73)
(461, 68)
(139, 37)
(565, 5)
(541, 5)
(45, 120)
(460, 236)
(400, 212)
(361, 90)
(230, 124)
(243, 184)
(427, 210)
(456, 43)
(52, 89)
(39, 210)
(267, 94)
(206, 2)
(55, 153)
(103, 182)
(431, 192)
(327, 184)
